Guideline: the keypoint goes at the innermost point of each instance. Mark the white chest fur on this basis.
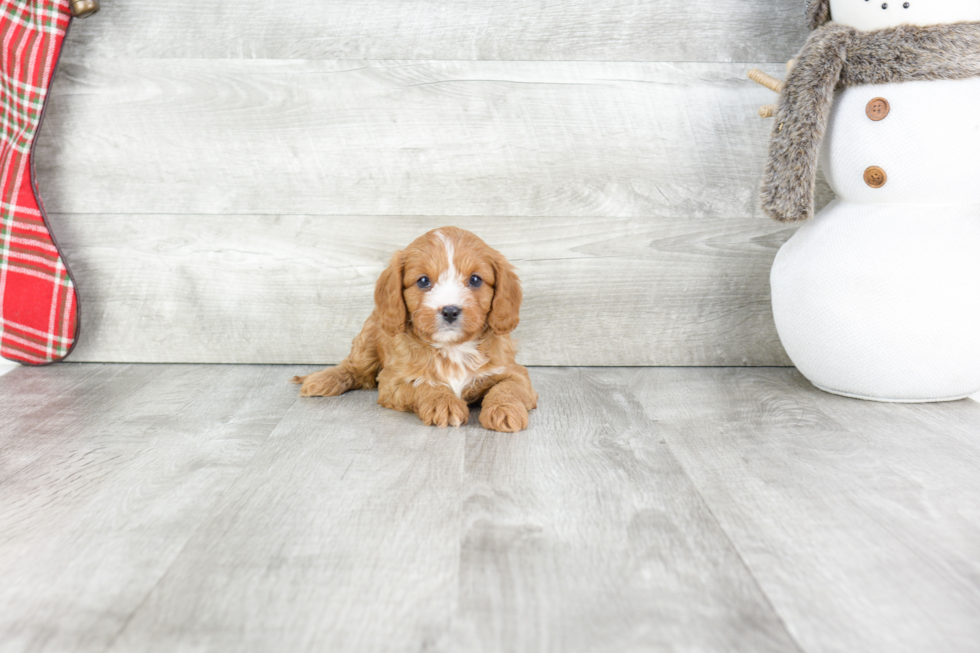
(460, 365)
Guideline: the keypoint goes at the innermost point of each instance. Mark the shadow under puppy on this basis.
(439, 337)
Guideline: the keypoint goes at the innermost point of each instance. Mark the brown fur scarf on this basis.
(835, 57)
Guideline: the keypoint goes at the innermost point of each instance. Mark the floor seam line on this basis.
(731, 542)
(203, 524)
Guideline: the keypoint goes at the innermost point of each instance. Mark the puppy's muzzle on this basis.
(450, 313)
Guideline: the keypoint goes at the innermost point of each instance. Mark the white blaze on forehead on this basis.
(449, 289)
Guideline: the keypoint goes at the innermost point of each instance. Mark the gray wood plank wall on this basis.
(228, 178)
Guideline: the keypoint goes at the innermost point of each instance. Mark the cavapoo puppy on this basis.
(439, 337)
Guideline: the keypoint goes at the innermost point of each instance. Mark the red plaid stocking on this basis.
(38, 303)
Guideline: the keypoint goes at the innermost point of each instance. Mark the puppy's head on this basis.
(446, 287)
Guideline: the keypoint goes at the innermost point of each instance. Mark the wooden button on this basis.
(875, 177)
(84, 8)
(877, 109)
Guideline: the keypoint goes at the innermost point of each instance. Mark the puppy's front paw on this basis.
(326, 383)
(443, 411)
(509, 418)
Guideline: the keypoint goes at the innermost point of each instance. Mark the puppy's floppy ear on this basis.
(389, 299)
(507, 295)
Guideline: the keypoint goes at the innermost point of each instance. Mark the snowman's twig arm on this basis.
(772, 84)
(768, 81)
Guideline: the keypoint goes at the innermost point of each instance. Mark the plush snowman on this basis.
(878, 295)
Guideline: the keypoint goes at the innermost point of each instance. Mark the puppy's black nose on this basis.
(450, 313)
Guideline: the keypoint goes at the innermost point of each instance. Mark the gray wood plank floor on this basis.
(182, 507)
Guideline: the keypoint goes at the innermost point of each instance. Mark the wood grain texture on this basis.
(35, 406)
(179, 508)
(583, 533)
(355, 528)
(193, 153)
(343, 536)
(861, 520)
(105, 492)
(404, 138)
(296, 289)
(622, 30)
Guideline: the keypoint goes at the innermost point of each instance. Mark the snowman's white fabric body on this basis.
(878, 296)
(877, 14)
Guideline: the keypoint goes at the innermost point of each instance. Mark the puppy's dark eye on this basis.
(475, 281)
(423, 282)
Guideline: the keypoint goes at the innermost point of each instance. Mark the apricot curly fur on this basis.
(423, 364)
